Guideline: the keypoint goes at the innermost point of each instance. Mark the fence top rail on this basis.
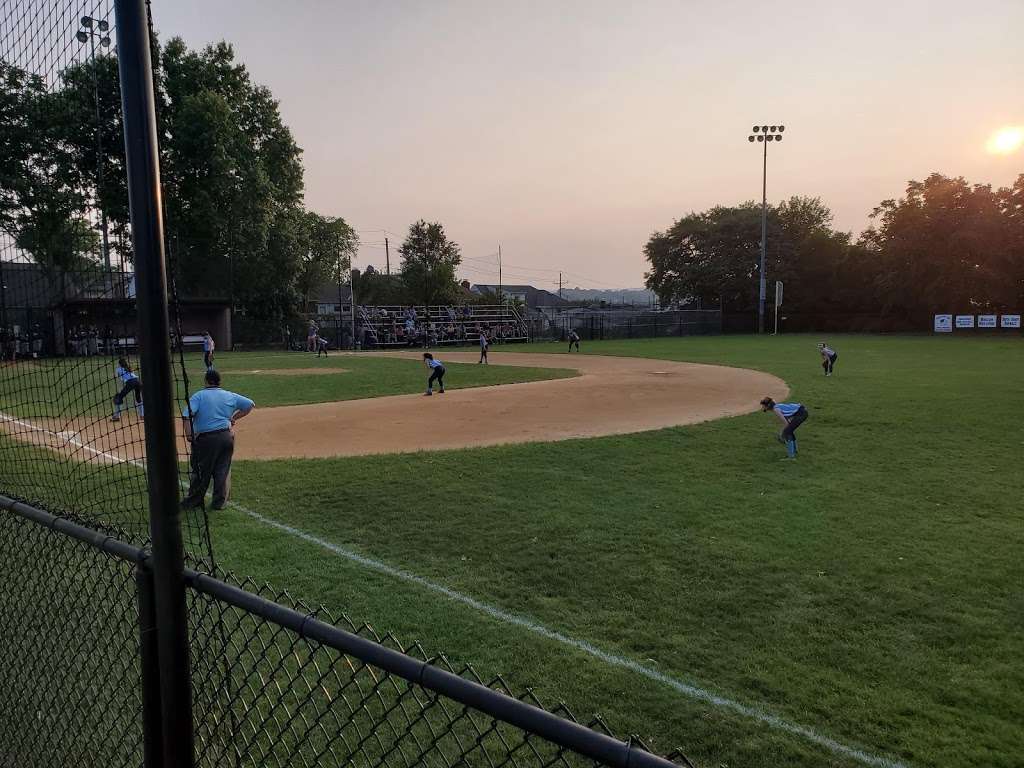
(558, 730)
(93, 538)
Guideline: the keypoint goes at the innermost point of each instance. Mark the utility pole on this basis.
(387, 256)
(559, 285)
(499, 273)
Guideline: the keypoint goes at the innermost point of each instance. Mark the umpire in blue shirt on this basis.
(214, 412)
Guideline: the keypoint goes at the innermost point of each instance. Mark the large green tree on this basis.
(946, 246)
(44, 203)
(328, 245)
(429, 260)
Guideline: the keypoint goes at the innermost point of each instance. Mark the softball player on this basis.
(574, 338)
(790, 414)
(131, 384)
(208, 348)
(436, 373)
(484, 344)
(321, 346)
(828, 358)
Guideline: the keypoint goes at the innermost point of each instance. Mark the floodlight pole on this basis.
(764, 134)
(142, 161)
(763, 287)
(87, 29)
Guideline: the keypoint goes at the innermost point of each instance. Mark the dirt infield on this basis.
(611, 396)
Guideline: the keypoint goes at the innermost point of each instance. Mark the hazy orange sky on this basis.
(569, 131)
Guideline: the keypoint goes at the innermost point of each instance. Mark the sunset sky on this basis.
(569, 131)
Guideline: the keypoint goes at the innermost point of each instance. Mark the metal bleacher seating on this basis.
(444, 325)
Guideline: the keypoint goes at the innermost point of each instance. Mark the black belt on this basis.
(214, 432)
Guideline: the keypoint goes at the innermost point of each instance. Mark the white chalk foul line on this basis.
(691, 691)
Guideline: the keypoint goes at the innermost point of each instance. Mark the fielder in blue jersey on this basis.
(436, 373)
(130, 384)
(792, 415)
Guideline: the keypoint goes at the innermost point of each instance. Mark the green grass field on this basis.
(86, 386)
(870, 593)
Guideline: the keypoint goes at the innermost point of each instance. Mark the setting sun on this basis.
(1006, 140)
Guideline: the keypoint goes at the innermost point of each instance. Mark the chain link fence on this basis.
(274, 682)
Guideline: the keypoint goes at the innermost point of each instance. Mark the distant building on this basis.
(533, 298)
(57, 304)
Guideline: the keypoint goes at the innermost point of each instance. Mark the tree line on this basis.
(945, 246)
(234, 217)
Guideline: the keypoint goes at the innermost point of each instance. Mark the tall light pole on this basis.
(91, 30)
(764, 134)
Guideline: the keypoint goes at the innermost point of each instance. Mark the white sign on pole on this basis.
(986, 321)
(778, 293)
(965, 321)
(1011, 321)
(943, 324)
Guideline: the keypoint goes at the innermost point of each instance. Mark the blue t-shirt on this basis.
(788, 409)
(207, 344)
(125, 375)
(435, 364)
(212, 409)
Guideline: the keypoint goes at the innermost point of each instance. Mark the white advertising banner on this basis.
(965, 321)
(1011, 321)
(986, 321)
(943, 323)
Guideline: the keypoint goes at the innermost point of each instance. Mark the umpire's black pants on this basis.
(211, 459)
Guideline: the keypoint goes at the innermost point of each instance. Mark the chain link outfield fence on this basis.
(84, 666)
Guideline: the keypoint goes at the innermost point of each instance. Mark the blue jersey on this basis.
(213, 407)
(435, 364)
(125, 374)
(788, 409)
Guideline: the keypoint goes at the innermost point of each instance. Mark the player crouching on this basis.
(131, 385)
(792, 415)
(828, 358)
(436, 373)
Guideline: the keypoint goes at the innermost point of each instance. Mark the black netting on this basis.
(72, 409)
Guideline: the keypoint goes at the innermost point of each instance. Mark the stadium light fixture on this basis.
(93, 29)
(764, 134)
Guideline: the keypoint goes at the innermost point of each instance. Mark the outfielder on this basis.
(574, 338)
(792, 415)
(828, 358)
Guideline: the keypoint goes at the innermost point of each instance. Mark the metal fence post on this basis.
(152, 756)
(143, 170)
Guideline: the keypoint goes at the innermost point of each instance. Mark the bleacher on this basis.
(436, 326)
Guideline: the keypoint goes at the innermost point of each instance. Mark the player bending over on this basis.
(321, 346)
(828, 358)
(131, 384)
(792, 415)
(574, 338)
(436, 373)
